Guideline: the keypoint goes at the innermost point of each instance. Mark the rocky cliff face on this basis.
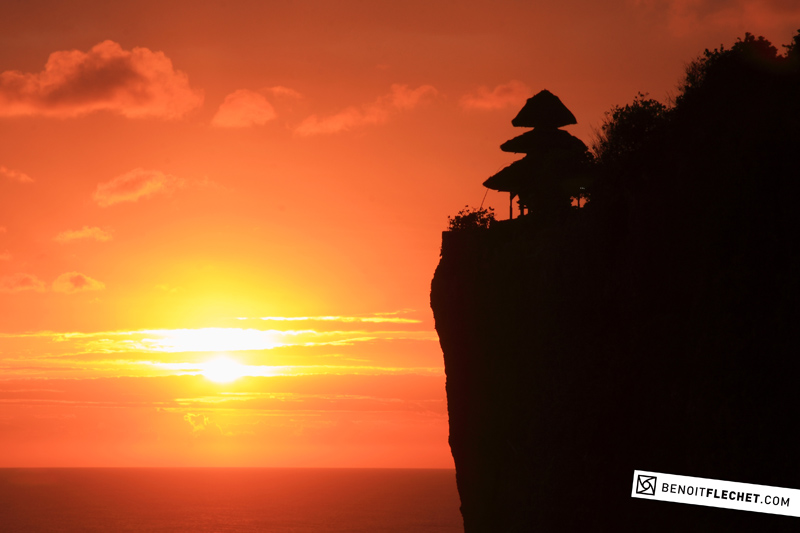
(579, 352)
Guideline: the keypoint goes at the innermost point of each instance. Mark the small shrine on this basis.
(555, 167)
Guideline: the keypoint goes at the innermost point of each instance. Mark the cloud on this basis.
(243, 108)
(72, 282)
(15, 175)
(280, 90)
(220, 339)
(343, 319)
(508, 94)
(138, 183)
(201, 424)
(135, 83)
(21, 282)
(686, 16)
(5, 256)
(197, 421)
(3, 229)
(86, 232)
(400, 98)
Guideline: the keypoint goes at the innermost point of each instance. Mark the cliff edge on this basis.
(654, 329)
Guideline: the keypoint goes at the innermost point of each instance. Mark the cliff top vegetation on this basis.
(730, 131)
(471, 218)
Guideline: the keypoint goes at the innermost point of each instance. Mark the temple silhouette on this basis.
(556, 167)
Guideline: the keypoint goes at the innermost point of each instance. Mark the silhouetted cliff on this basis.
(654, 329)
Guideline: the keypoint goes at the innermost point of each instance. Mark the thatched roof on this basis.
(512, 178)
(524, 175)
(545, 142)
(544, 110)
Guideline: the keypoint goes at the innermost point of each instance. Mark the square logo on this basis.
(646, 485)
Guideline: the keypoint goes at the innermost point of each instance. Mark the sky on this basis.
(219, 220)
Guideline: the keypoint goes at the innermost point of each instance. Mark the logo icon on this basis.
(646, 485)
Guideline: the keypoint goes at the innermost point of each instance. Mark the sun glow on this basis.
(224, 370)
(214, 339)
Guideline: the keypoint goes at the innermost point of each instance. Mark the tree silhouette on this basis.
(630, 133)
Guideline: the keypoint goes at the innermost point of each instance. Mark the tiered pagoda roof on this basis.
(544, 110)
(550, 153)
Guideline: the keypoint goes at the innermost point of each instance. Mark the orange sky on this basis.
(254, 191)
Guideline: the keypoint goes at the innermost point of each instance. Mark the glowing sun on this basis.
(223, 370)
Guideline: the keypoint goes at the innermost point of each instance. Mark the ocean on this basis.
(291, 500)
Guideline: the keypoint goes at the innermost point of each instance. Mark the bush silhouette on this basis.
(471, 218)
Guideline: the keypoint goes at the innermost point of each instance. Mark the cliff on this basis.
(654, 329)
(567, 369)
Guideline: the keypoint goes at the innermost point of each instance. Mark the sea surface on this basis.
(229, 499)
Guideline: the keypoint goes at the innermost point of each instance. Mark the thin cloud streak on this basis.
(400, 98)
(202, 339)
(344, 319)
(684, 17)
(133, 185)
(15, 175)
(281, 91)
(513, 93)
(72, 369)
(85, 233)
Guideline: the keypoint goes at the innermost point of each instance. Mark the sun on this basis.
(223, 370)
